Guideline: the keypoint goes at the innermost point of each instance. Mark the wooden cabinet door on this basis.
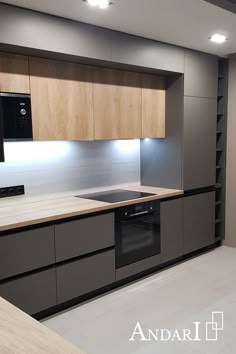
(117, 104)
(14, 73)
(153, 106)
(62, 100)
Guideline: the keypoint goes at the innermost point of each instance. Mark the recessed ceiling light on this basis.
(102, 4)
(218, 38)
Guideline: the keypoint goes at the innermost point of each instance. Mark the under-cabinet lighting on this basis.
(127, 146)
(218, 38)
(102, 4)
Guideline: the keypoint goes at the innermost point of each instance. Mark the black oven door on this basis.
(137, 237)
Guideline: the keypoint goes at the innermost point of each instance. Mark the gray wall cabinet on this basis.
(85, 275)
(83, 236)
(172, 236)
(199, 221)
(74, 38)
(133, 50)
(200, 77)
(26, 251)
(199, 156)
(33, 293)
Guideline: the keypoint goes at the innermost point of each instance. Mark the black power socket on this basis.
(11, 191)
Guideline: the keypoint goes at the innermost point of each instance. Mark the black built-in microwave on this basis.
(15, 119)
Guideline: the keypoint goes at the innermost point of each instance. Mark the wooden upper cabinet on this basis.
(62, 100)
(14, 73)
(117, 104)
(153, 106)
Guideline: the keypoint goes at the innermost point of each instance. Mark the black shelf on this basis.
(221, 148)
(218, 220)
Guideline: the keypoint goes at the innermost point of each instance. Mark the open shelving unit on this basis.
(221, 149)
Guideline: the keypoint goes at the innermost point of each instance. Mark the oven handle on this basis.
(141, 213)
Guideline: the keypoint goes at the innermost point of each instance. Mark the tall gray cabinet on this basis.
(199, 120)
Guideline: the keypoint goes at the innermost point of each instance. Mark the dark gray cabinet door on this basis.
(201, 74)
(199, 221)
(76, 238)
(85, 275)
(199, 155)
(25, 251)
(172, 235)
(133, 50)
(33, 293)
(74, 38)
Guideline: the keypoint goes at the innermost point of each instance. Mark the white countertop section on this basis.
(22, 211)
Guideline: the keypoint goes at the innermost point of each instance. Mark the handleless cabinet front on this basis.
(201, 74)
(172, 235)
(33, 293)
(85, 275)
(199, 142)
(138, 51)
(199, 221)
(80, 237)
(25, 251)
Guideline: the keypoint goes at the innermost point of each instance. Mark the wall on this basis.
(230, 227)
(55, 167)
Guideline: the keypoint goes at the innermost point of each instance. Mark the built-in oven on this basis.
(137, 232)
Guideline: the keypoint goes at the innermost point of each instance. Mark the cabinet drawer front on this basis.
(82, 276)
(25, 251)
(33, 293)
(84, 236)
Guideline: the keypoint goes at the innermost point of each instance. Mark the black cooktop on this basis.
(115, 195)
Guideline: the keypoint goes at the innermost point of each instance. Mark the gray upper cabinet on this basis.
(201, 74)
(74, 38)
(25, 251)
(133, 50)
(171, 229)
(87, 235)
(199, 142)
(199, 221)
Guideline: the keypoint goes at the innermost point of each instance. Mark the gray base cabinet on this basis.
(85, 275)
(199, 221)
(172, 238)
(33, 293)
(79, 237)
(26, 251)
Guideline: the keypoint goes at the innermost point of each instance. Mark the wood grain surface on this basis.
(26, 214)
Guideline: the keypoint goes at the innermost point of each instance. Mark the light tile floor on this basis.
(172, 299)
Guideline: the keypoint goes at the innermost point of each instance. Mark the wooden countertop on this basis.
(19, 333)
(36, 212)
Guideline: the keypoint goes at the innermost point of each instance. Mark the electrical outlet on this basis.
(12, 191)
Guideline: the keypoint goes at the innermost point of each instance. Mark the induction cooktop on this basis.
(115, 195)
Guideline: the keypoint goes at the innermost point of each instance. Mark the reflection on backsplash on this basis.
(53, 167)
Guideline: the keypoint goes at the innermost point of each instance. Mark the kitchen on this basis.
(113, 164)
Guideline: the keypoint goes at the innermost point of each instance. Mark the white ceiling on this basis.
(187, 23)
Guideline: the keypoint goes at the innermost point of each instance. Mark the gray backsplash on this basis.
(54, 167)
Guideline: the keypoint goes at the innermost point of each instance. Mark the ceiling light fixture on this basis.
(218, 38)
(102, 4)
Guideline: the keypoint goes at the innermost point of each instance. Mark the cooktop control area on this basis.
(115, 195)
